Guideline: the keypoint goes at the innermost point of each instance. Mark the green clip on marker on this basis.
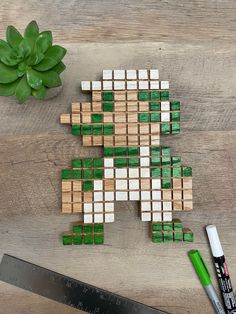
(205, 279)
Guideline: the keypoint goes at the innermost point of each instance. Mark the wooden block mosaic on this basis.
(129, 111)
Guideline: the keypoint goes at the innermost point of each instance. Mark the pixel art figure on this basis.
(129, 111)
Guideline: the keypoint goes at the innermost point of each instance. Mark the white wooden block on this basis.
(167, 205)
(143, 85)
(154, 85)
(156, 216)
(145, 195)
(109, 207)
(146, 216)
(133, 172)
(109, 218)
(96, 85)
(131, 74)
(98, 185)
(107, 85)
(132, 85)
(143, 74)
(98, 207)
(134, 184)
(165, 116)
(109, 196)
(154, 74)
(156, 184)
(121, 185)
(88, 219)
(156, 195)
(145, 172)
(109, 173)
(144, 151)
(134, 196)
(119, 74)
(165, 106)
(119, 85)
(98, 196)
(121, 173)
(145, 206)
(156, 206)
(86, 85)
(109, 162)
(98, 218)
(144, 161)
(88, 207)
(122, 196)
(164, 84)
(107, 74)
(167, 216)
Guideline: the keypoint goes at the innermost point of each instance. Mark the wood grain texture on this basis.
(193, 45)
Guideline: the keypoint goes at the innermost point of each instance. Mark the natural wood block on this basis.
(119, 95)
(132, 117)
(120, 117)
(86, 106)
(144, 128)
(87, 197)
(87, 140)
(143, 106)
(77, 197)
(155, 128)
(65, 118)
(166, 195)
(76, 107)
(177, 205)
(132, 106)
(132, 95)
(120, 106)
(77, 186)
(155, 140)
(75, 118)
(187, 183)
(188, 205)
(66, 197)
(145, 184)
(108, 140)
(144, 140)
(66, 186)
(187, 194)
(109, 185)
(66, 208)
(120, 140)
(177, 183)
(77, 207)
(133, 140)
(132, 128)
(86, 117)
(96, 96)
(177, 195)
(120, 128)
(98, 140)
(108, 117)
(97, 107)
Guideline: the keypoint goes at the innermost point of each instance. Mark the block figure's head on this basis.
(128, 108)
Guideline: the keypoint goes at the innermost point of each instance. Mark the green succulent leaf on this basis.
(14, 38)
(23, 90)
(33, 79)
(35, 58)
(7, 74)
(10, 60)
(52, 57)
(44, 41)
(8, 89)
(7, 54)
(5, 49)
(50, 78)
(59, 68)
(40, 93)
(31, 33)
(24, 49)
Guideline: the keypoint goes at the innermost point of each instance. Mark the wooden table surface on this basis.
(193, 45)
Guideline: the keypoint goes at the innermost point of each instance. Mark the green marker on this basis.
(205, 279)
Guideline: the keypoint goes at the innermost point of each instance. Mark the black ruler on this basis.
(67, 290)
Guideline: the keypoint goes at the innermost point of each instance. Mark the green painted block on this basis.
(155, 95)
(155, 117)
(77, 239)
(175, 128)
(88, 185)
(77, 174)
(156, 172)
(67, 239)
(165, 128)
(176, 161)
(108, 151)
(88, 229)
(76, 129)
(177, 225)
(168, 226)
(134, 162)
(76, 163)
(108, 106)
(108, 129)
(166, 183)
(98, 173)
(178, 236)
(133, 151)
(157, 237)
(66, 174)
(120, 162)
(187, 171)
(165, 95)
(175, 116)
(188, 235)
(98, 162)
(77, 229)
(120, 151)
(155, 151)
(165, 151)
(168, 236)
(88, 174)
(155, 161)
(176, 172)
(166, 161)
(157, 226)
(166, 172)
(88, 162)
(175, 105)
(107, 96)
(97, 118)
(155, 106)
(87, 129)
(97, 129)
(88, 239)
(143, 95)
(98, 228)
(143, 117)
(98, 239)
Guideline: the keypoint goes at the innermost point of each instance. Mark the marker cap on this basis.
(214, 240)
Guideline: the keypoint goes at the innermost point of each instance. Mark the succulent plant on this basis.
(29, 64)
